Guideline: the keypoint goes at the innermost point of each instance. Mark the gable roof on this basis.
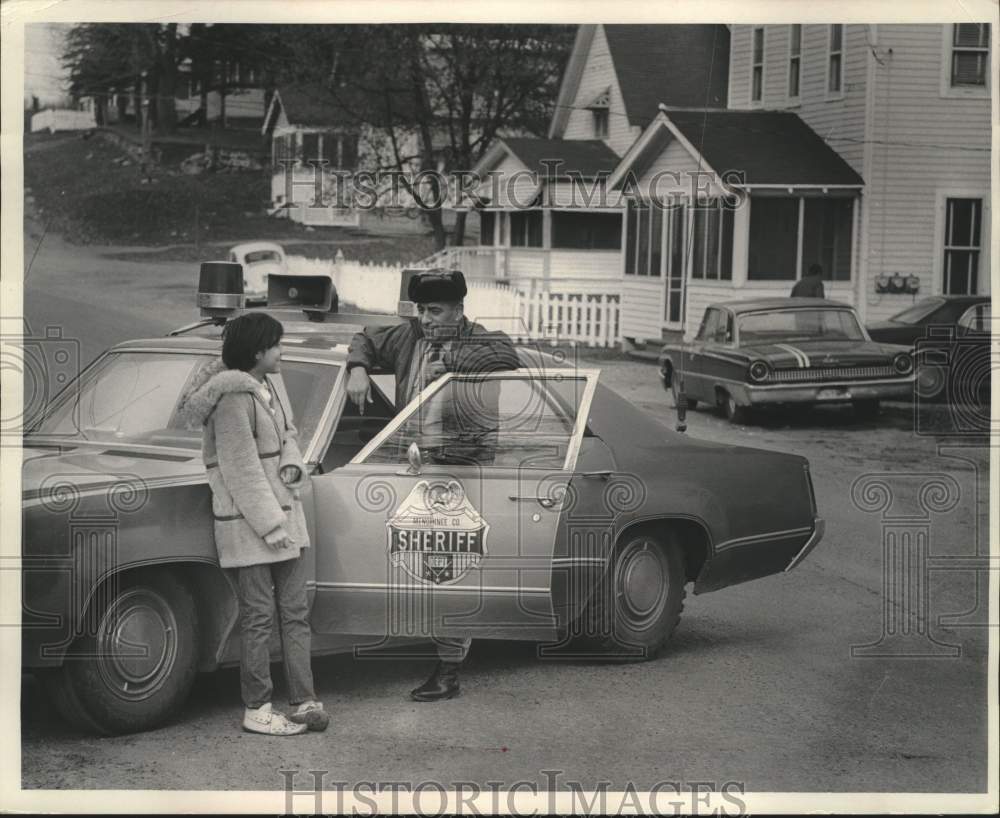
(587, 157)
(769, 147)
(309, 105)
(681, 65)
(678, 65)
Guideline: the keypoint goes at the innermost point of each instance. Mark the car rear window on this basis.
(261, 255)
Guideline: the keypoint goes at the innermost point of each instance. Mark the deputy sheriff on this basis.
(440, 339)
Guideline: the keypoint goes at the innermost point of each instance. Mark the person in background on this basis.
(255, 471)
(441, 339)
(811, 284)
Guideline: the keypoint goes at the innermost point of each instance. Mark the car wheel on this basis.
(640, 601)
(734, 412)
(137, 667)
(672, 383)
(866, 409)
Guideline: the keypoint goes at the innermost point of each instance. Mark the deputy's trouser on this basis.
(452, 649)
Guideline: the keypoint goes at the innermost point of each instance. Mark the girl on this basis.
(255, 470)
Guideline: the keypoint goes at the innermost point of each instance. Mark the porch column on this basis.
(546, 246)
(741, 243)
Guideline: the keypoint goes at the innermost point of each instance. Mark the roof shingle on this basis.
(769, 147)
(682, 65)
(588, 157)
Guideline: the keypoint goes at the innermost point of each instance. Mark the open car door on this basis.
(445, 523)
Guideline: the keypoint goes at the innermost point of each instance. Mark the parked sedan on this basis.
(785, 350)
(260, 259)
(950, 336)
(548, 502)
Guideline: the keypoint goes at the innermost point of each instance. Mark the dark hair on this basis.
(815, 269)
(245, 336)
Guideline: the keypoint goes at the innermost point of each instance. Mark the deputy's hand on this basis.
(359, 388)
(290, 474)
(278, 539)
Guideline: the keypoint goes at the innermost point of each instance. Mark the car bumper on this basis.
(827, 392)
(819, 529)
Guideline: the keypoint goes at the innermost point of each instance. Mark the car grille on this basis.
(832, 373)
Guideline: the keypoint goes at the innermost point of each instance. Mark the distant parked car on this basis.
(950, 335)
(785, 350)
(260, 259)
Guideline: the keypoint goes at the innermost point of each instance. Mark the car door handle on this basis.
(544, 502)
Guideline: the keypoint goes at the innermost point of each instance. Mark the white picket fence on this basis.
(64, 120)
(523, 312)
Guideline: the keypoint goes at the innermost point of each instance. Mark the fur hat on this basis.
(437, 285)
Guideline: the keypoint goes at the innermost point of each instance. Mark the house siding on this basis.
(598, 74)
(926, 146)
(841, 121)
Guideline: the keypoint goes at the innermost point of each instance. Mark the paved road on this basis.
(759, 686)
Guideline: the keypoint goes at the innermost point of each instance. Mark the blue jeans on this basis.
(260, 586)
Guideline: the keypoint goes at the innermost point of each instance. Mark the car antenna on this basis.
(682, 400)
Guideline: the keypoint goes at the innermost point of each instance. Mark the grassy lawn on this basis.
(84, 192)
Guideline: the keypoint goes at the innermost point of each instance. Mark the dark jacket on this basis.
(390, 349)
(809, 286)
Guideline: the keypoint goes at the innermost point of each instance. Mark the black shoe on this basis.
(442, 684)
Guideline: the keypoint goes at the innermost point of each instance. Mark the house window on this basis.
(970, 54)
(774, 230)
(579, 230)
(487, 222)
(835, 60)
(672, 308)
(310, 147)
(757, 71)
(827, 236)
(962, 239)
(712, 241)
(526, 228)
(644, 227)
(349, 151)
(794, 60)
(827, 230)
(600, 123)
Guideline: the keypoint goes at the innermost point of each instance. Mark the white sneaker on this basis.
(311, 714)
(270, 722)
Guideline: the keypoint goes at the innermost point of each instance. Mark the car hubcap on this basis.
(137, 644)
(642, 583)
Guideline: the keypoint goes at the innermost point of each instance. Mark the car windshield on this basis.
(517, 422)
(261, 255)
(799, 325)
(132, 398)
(916, 313)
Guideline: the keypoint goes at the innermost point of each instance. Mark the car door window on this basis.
(975, 319)
(509, 421)
(309, 386)
(708, 326)
(723, 329)
(355, 430)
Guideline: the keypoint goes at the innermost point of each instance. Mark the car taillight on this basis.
(903, 363)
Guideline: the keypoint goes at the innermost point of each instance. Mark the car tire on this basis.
(640, 600)
(670, 382)
(866, 409)
(105, 686)
(734, 413)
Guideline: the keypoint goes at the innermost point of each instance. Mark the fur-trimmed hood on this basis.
(208, 387)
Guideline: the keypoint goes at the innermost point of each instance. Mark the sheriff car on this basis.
(570, 518)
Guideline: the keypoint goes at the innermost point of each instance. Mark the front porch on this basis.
(693, 237)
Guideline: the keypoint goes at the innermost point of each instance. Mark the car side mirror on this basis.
(414, 459)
